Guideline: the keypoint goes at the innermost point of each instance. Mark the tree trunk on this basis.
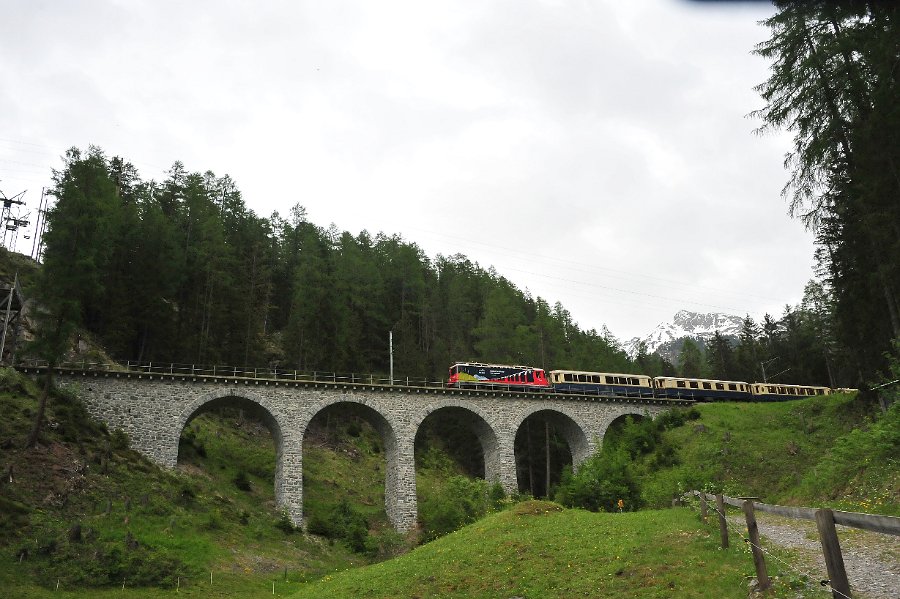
(530, 457)
(547, 456)
(42, 407)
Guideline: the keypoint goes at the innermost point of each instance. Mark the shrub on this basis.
(344, 523)
(241, 481)
(462, 501)
(386, 544)
(283, 524)
(119, 439)
(601, 481)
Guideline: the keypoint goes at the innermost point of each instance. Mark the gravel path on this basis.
(872, 560)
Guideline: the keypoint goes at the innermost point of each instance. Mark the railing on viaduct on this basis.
(318, 376)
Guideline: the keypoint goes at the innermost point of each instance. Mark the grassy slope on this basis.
(831, 450)
(199, 520)
(185, 524)
(537, 550)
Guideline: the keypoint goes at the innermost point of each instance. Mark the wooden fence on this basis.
(824, 518)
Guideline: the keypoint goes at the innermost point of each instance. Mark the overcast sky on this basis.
(597, 153)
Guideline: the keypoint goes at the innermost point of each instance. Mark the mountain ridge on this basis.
(667, 338)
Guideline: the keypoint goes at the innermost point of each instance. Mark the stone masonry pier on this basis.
(153, 409)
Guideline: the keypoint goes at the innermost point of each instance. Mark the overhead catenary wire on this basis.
(593, 268)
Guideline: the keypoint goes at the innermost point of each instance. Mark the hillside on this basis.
(84, 510)
(837, 450)
(88, 513)
(538, 550)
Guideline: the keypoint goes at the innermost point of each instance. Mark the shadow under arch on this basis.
(473, 422)
(614, 427)
(396, 497)
(255, 406)
(556, 425)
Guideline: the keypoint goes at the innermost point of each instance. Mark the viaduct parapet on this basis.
(153, 409)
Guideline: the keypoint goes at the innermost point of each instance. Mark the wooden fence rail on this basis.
(825, 520)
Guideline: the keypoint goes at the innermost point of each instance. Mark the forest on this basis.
(184, 271)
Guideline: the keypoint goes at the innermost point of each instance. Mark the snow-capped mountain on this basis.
(666, 339)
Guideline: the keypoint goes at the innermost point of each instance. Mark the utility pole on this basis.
(39, 226)
(391, 351)
(6, 317)
(5, 216)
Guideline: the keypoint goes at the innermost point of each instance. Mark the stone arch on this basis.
(616, 415)
(573, 429)
(400, 483)
(567, 423)
(479, 423)
(287, 473)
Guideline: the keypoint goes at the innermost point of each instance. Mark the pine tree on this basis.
(76, 265)
(690, 360)
(833, 84)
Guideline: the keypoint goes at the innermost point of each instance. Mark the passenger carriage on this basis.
(779, 392)
(700, 389)
(601, 383)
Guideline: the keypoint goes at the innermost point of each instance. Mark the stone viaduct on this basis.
(153, 409)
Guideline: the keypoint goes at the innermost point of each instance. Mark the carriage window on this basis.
(732, 387)
(680, 383)
(694, 385)
(707, 386)
(529, 377)
(595, 379)
(632, 381)
(568, 378)
(720, 386)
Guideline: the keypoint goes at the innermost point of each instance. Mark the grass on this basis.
(537, 549)
(833, 451)
(216, 513)
(141, 524)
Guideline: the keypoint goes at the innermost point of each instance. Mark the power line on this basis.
(594, 268)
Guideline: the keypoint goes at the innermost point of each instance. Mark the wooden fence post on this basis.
(831, 548)
(704, 509)
(759, 560)
(723, 524)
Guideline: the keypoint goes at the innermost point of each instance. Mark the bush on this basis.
(344, 523)
(386, 544)
(241, 481)
(601, 481)
(462, 501)
(283, 524)
(119, 439)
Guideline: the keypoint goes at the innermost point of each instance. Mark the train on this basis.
(530, 378)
